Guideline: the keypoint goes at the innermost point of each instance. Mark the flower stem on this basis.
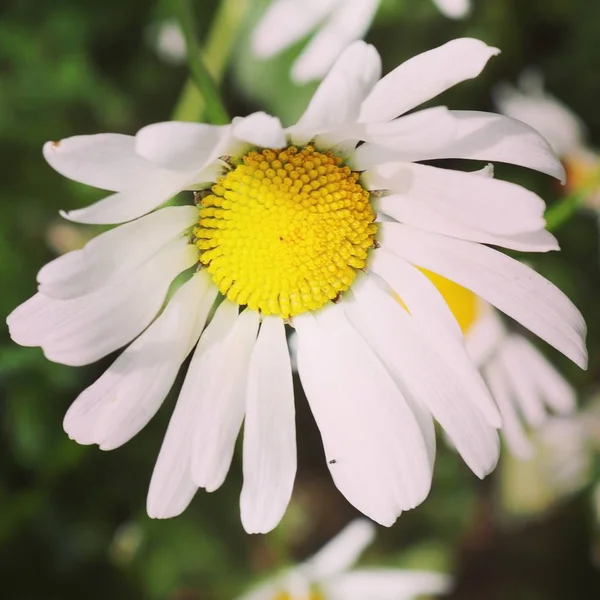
(192, 103)
(564, 209)
(200, 77)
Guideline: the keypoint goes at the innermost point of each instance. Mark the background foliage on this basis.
(72, 518)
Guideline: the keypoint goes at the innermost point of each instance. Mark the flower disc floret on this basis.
(286, 230)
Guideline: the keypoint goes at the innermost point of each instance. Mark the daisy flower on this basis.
(285, 231)
(525, 385)
(337, 24)
(566, 449)
(326, 575)
(563, 129)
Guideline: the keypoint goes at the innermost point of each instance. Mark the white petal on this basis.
(339, 554)
(443, 219)
(485, 335)
(107, 160)
(260, 129)
(426, 373)
(414, 133)
(556, 390)
(428, 307)
(425, 76)
(269, 431)
(286, 22)
(454, 9)
(152, 191)
(512, 430)
(119, 404)
(524, 388)
(113, 253)
(385, 584)
(180, 146)
(222, 407)
(172, 487)
(337, 100)
(82, 330)
(478, 136)
(512, 287)
(345, 25)
(448, 196)
(563, 129)
(373, 444)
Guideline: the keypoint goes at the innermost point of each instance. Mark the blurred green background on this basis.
(72, 518)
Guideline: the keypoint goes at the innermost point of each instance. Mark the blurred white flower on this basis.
(285, 230)
(327, 575)
(167, 39)
(522, 381)
(563, 463)
(337, 24)
(563, 129)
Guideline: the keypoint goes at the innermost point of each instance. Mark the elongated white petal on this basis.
(428, 307)
(82, 330)
(478, 136)
(172, 486)
(426, 373)
(152, 191)
(512, 430)
(339, 554)
(106, 160)
(113, 253)
(556, 391)
(414, 133)
(260, 129)
(286, 22)
(563, 129)
(485, 335)
(481, 203)
(524, 387)
(430, 217)
(345, 25)
(454, 9)
(222, 407)
(373, 444)
(385, 584)
(119, 404)
(180, 146)
(337, 100)
(509, 285)
(425, 76)
(269, 431)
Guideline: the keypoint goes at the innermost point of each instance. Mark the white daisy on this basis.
(288, 234)
(525, 385)
(563, 464)
(337, 24)
(326, 575)
(564, 130)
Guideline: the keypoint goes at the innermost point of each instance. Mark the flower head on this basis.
(337, 23)
(326, 575)
(289, 229)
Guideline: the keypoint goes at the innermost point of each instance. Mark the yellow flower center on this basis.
(463, 303)
(285, 231)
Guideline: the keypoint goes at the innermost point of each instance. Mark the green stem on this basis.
(217, 51)
(564, 209)
(216, 112)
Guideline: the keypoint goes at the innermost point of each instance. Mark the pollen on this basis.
(286, 230)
